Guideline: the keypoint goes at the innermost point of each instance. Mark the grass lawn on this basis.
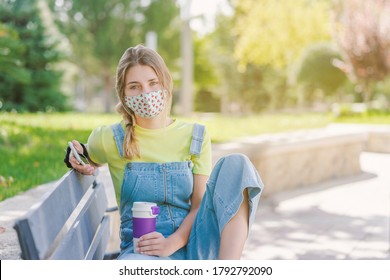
(32, 145)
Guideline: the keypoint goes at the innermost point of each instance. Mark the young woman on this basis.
(154, 158)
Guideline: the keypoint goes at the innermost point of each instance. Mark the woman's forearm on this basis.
(180, 237)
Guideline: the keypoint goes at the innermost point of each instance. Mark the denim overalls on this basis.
(170, 185)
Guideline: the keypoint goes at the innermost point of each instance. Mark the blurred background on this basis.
(237, 56)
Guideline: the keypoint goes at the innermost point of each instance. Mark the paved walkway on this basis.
(343, 219)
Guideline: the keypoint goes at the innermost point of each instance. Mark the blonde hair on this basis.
(139, 55)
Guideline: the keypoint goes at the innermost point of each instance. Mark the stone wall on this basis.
(303, 158)
(378, 142)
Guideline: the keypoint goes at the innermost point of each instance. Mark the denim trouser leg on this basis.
(224, 195)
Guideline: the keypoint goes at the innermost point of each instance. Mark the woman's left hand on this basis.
(154, 244)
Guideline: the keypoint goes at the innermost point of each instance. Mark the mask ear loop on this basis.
(166, 103)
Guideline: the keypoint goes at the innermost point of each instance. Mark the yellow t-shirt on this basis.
(168, 144)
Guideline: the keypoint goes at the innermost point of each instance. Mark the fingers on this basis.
(78, 146)
(151, 235)
(83, 169)
(151, 244)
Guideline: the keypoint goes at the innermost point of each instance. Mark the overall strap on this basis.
(197, 139)
(119, 135)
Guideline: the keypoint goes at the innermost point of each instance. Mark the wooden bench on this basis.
(70, 222)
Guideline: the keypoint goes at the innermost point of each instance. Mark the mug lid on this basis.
(142, 206)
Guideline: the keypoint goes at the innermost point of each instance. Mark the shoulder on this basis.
(102, 131)
(195, 131)
(189, 126)
(104, 135)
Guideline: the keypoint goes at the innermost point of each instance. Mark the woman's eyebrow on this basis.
(136, 82)
(132, 82)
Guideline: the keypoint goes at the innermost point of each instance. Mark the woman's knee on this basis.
(233, 163)
(236, 159)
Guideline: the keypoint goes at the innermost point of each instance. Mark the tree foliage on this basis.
(315, 68)
(28, 81)
(253, 90)
(100, 31)
(205, 76)
(275, 32)
(11, 50)
(362, 31)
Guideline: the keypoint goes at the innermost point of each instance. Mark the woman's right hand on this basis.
(86, 169)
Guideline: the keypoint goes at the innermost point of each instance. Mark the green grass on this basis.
(367, 118)
(32, 145)
(228, 128)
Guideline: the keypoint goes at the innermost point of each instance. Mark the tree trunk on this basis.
(108, 95)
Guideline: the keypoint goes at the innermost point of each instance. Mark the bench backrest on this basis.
(68, 223)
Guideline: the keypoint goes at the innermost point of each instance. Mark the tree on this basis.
(315, 70)
(28, 80)
(275, 32)
(362, 31)
(252, 89)
(205, 76)
(100, 31)
(12, 49)
(265, 37)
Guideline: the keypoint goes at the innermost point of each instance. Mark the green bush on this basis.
(315, 69)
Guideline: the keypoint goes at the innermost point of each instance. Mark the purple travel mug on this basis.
(144, 220)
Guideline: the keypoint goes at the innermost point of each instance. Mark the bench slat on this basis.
(69, 222)
(77, 241)
(26, 240)
(99, 243)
